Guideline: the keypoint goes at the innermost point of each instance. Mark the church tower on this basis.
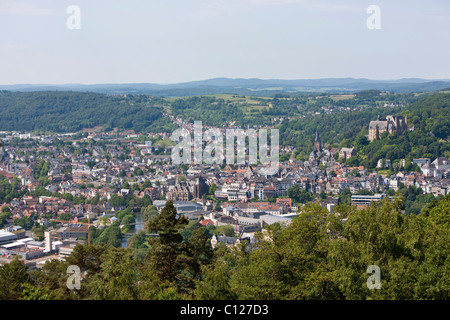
(317, 143)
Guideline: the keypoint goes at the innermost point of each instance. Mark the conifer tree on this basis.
(168, 247)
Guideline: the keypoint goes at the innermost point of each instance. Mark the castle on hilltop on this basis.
(392, 124)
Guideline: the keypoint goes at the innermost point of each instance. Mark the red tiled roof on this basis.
(206, 222)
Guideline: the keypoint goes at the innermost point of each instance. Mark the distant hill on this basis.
(256, 87)
(66, 111)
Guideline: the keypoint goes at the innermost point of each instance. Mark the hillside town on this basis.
(69, 182)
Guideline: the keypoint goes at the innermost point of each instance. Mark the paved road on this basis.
(40, 259)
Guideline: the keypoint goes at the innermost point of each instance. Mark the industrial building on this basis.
(7, 237)
(73, 231)
(25, 248)
(362, 201)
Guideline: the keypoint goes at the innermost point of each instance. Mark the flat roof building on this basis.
(73, 231)
(182, 206)
(362, 201)
(7, 237)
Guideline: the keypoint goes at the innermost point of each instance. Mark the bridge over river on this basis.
(138, 226)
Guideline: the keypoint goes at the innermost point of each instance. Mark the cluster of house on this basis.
(248, 197)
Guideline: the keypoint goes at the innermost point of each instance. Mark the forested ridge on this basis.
(317, 256)
(65, 111)
(69, 111)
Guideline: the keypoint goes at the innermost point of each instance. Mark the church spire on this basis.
(317, 144)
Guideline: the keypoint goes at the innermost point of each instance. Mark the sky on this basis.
(171, 41)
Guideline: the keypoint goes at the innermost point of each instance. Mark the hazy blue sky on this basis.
(168, 41)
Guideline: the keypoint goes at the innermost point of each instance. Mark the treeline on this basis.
(210, 110)
(430, 114)
(66, 111)
(217, 111)
(317, 256)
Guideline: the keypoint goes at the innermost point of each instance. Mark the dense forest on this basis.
(316, 256)
(55, 111)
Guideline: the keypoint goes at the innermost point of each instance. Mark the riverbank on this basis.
(137, 227)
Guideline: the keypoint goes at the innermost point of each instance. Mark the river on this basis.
(137, 227)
